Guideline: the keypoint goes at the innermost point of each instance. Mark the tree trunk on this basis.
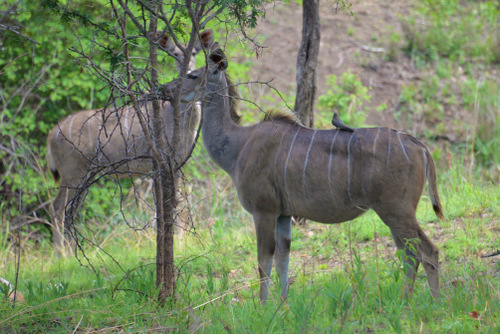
(165, 186)
(307, 62)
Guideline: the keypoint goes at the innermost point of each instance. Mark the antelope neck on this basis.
(223, 138)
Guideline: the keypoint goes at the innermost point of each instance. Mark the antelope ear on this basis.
(214, 46)
(165, 42)
(205, 41)
(218, 59)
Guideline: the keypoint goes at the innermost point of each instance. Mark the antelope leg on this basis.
(409, 236)
(282, 256)
(410, 262)
(265, 226)
(430, 261)
(64, 194)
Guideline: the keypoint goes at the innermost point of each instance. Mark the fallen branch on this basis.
(491, 255)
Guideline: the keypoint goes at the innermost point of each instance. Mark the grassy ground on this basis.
(344, 277)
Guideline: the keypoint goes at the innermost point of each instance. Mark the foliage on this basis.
(39, 84)
(483, 96)
(346, 97)
(44, 84)
(447, 87)
(452, 28)
(454, 40)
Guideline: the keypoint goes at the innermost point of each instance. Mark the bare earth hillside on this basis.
(361, 44)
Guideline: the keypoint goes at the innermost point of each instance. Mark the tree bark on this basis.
(307, 61)
(165, 186)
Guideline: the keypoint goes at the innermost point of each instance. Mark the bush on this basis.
(346, 97)
(454, 29)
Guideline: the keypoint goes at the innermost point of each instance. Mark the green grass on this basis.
(460, 30)
(344, 277)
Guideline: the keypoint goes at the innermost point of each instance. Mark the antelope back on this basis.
(114, 137)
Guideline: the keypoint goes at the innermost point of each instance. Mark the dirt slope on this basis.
(348, 43)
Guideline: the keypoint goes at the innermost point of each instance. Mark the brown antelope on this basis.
(112, 140)
(282, 169)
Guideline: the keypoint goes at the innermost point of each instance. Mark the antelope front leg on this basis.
(283, 241)
(265, 228)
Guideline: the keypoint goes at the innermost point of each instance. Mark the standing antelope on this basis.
(283, 169)
(113, 140)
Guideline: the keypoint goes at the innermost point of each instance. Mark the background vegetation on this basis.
(344, 278)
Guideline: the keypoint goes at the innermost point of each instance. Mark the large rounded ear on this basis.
(205, 41)
(165, 42)
(214, 46)
(217, 60)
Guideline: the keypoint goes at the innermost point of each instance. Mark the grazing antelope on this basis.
(282, 169)
(113, 140)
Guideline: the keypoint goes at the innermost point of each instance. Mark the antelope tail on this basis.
(52, 165)
(430, 168)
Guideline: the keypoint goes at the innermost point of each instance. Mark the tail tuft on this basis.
(52, 165)
(439, 211)
(55, 175)
(432, 179)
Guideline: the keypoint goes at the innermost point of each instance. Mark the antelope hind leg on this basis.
(265, 226)
(282, 254)
(430, 260)
(407, 230)
(410, 262)
(68, 199)
(64, 193)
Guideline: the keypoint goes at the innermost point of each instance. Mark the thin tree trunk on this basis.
(307, 62)
(165, 188)
(165, 269)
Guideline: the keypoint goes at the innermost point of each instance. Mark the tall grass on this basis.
(461, 30)
(456, 43)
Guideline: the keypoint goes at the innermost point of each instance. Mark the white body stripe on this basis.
(306, 161)
(288, 159)
(389, 149)
(61, 126)
(375, 142)
(70, 130)
(89, 129)
(330, 163)
(349, 167)
(125, 120)
(403, 147)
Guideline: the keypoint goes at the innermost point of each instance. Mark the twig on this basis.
(77, 325)
(4, 27)
(48, 303)
(491, 255)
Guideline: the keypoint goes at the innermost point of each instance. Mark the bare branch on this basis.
(13, 30)
(132, 17)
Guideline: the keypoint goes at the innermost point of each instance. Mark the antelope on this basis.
(283, 169)
(112, 140)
